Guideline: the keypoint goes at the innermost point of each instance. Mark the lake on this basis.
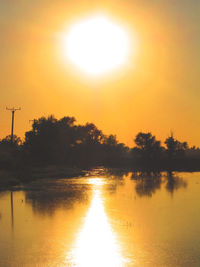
(107, 218)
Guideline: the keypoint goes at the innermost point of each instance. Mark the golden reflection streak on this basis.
(96, 244)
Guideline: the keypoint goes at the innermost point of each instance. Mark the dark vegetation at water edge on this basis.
(62, 148)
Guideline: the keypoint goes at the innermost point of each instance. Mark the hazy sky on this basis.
(158, 91)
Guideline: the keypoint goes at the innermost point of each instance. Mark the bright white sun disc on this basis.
(97, 45)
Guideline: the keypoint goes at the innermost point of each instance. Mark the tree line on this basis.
(64, 142)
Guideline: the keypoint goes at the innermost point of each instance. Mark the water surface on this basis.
(108, 218)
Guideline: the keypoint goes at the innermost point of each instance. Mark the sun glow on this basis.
(97, 45)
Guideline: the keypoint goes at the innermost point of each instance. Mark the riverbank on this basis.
(20, 177)
(11, 178)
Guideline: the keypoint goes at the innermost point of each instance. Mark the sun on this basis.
(97, 45)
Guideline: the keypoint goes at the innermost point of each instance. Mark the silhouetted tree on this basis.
(175, 148)
(10, 152)
(147, 146)
(115, 153)
(17, 142)
(110, 140)
(51, 140)
(61, 141)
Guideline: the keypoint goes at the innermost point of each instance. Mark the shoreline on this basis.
(10, 179)
(13, 178)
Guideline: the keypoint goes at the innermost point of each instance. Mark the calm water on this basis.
(104, 219)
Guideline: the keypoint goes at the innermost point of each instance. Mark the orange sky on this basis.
(157, 91)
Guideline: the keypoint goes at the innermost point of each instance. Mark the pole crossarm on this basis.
(13, 109)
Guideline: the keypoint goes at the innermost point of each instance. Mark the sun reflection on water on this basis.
(96, 244)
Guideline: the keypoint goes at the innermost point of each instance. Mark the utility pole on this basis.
(13, 116)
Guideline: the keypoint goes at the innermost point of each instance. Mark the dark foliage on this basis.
(62, 142)
(53, 141)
